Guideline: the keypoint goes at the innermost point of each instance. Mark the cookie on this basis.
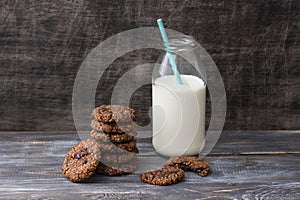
(114, 138)
(101, 137)
(112, 127)
(119, 147)
(81, 161)
(121, 138)
(111, 158)
(110, 171)
(190, 163)
(164, 176)
(131, 146)
(113, 113)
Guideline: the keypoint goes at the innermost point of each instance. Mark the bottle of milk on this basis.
(179, 110)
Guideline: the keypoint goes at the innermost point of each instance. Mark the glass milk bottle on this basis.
(178, 110)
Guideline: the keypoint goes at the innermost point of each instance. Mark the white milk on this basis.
(178, 115)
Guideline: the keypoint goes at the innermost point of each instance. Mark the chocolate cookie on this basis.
(81, 161)
(111, 158)
(121, 138)
(113, 113)
(119, 147)
(110, 171)
(114, 138)
(164, 176)
(113, 127)
(131, 146)
(190, 163)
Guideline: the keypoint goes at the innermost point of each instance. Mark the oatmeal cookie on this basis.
(112, 127)
(111, 171)
(113, 113)
(111, 158)
(119, 147)
(81, 161)
(164, 176)
(190, 163)
(114, 138)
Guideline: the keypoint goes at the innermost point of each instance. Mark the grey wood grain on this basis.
(255, 44)
(30, 168)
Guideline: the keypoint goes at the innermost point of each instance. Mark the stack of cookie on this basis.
(111, 150)
(113, 127)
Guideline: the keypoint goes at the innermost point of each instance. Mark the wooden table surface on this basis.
(244, 165)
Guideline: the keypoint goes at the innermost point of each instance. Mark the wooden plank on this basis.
(30, 168)
(230, 142)
(252, 176)
(26, 169)
(116, 190)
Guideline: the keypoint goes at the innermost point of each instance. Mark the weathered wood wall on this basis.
(255, 44)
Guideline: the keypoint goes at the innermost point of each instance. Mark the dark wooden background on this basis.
(255, 44)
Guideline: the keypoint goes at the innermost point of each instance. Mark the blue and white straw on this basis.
(171, 58)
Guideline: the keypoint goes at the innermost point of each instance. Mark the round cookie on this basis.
(131, 146)
(114, 138)
(111, 159)
(164, 176)
(113, 127)
(81, 161)
(190, 163)
(113, 113)
(110, 171)
(101, 137)
(119, 147)
(121, 138)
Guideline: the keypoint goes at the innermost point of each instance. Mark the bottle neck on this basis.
(180, 43)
